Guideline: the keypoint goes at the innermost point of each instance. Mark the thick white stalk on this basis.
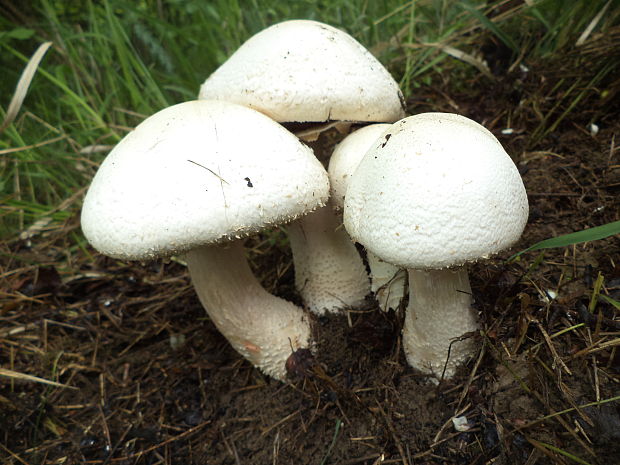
(439, 312)
(387, 282)
(265, 329)
(329, 271)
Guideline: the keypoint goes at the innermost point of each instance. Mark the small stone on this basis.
(461, 424)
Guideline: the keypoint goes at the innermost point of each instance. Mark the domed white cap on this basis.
(347, 155)
(436, 190)
(301, 71)
(195, 173)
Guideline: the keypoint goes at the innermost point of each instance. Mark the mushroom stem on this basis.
(265, 329)
(387, 282)
(439, 313)
(329, 272)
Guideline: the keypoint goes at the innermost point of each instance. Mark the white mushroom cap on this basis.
(387, 280)
(196, 173)
(347, 155)
(437, 190)
(300, 71)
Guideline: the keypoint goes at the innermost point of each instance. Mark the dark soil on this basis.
(152, 381)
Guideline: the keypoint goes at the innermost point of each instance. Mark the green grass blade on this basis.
(334, 438)
(611, 301)
(587, 235)
(559, 451)
(491, 26)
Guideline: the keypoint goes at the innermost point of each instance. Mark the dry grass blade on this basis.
(31, 146)
(14, 455)
(556, 357)
(395, 436)
(24, 377)
(479, 64)
(140, 453)
(586, 33)
(568, 410)
(24, 84)
(279, 422)
(454, 52)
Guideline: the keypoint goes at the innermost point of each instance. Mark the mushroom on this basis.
(387, 281)
(303, 71)
(307, 71)
(193, 179)
(435, 192)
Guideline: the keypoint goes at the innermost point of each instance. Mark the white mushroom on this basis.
(191, 178)
(306, 71)
(387, 280)
(303, 70)
(437, 191)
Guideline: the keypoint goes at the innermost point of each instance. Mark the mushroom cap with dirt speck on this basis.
(302, 71)
(387, 280)
(347, 155)
(196, 173)
(437, 190)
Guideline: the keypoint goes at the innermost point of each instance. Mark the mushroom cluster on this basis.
(423, 194)
(184, 183)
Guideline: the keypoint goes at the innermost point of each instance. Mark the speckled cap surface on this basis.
(437, 190)
(196, 173)
(347, 155)
(302, 71)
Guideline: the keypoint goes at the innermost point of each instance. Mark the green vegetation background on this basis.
(114, 62)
